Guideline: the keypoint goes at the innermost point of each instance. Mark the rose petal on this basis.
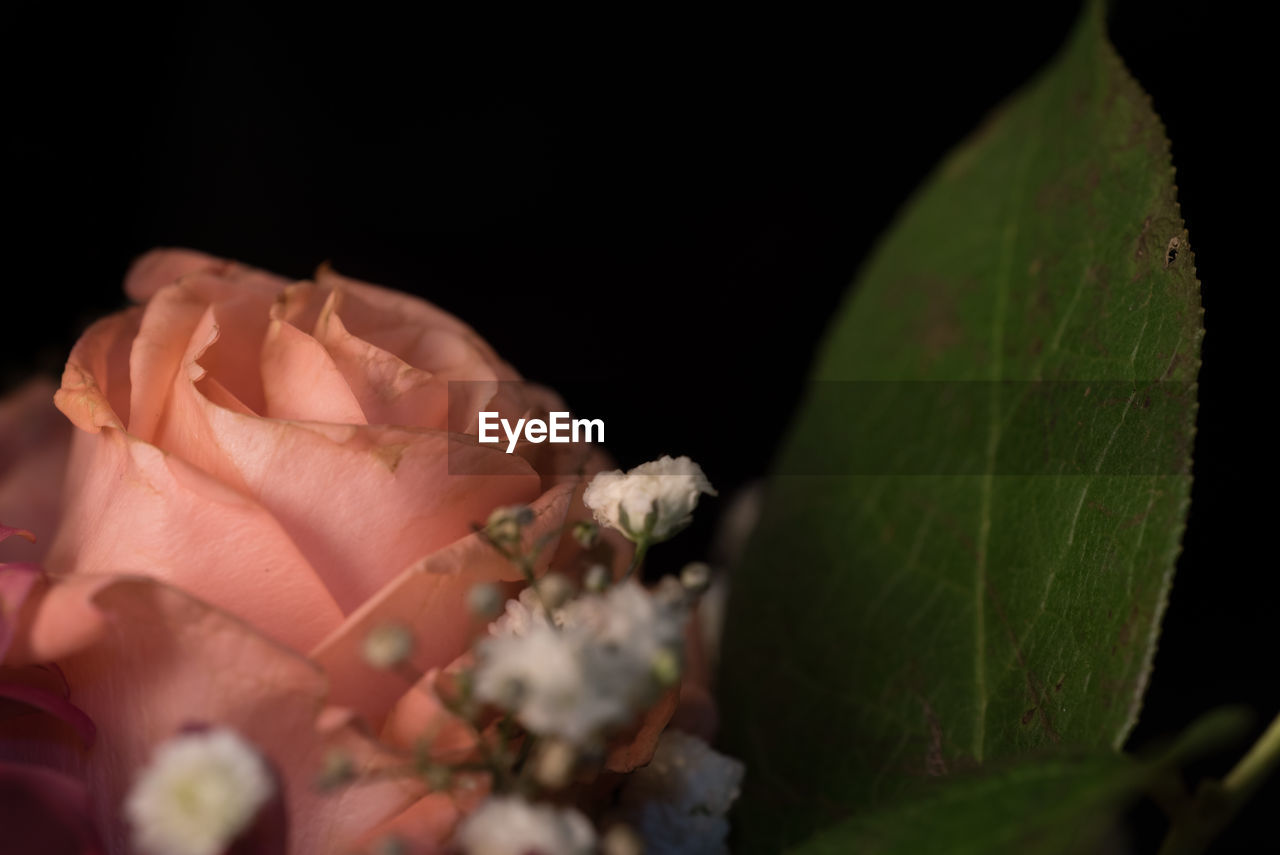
(96, 388)
(197, 533)
(55, 620)
(390, 390)
(302, 382)
(421, 829)
(54, 704)
(178, 660)
(410, 327)
(42, 810)
(33, 449)
(321, 480)
(16, 582)
(429, 599)
(635, 748)
(157, 268)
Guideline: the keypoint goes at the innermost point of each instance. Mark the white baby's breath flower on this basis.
(600, 660)
(200, 791)
(636, 640)
(651, 502)
(508, 825)
(678, 802)
(539, 676)
(519, 615)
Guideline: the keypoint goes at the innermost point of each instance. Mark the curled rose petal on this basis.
(133, 508)
(181, 660)
(42, 810)
(52, 703)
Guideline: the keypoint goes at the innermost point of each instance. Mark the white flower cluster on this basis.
(651, 502)
(200, 791)
(508, 825)
(680, 801)
(572, 666)
(590, 666)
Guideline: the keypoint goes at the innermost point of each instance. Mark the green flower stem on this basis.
(1249, 774)
(642, 546)
(1216, 804)
(525, 563)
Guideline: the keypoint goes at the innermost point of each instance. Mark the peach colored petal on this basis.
(95, 388)
(183, 424)
(430, 599)
(422, 829)
(321, 480)
(418, 715)
(157, 268)
(174, 325)
(408, 326)
(165, 661)
(301, 381)
(697, 712)
(390, 390)
(34, 440)
(55, 620)
(168, 323)
(634, 749)
(131, 507)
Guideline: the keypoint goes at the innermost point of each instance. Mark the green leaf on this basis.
(970, 534)
(1049, 806)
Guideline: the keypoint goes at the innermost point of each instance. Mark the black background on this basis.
(654, 213)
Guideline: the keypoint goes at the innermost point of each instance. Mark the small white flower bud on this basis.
(387, 646)
(586, 533)
(696, 577)
(554, 590)
(651, 502)
(597, 578)
(666, 667)
(505, 524)
(508, 825)
(554, 763)
(621, 839)
(485, 601)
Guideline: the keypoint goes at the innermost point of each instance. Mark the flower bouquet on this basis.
(304, 567)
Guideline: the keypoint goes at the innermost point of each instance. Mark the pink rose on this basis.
(262, 475)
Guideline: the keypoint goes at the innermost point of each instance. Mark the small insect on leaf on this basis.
(1171, 251)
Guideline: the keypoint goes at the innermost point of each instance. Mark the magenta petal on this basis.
(60, 707)
(8, 531)
(45, 811)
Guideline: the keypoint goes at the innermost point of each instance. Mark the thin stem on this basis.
(1254, 766)
(642, 546)
(1216, 804)
(526, 567)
